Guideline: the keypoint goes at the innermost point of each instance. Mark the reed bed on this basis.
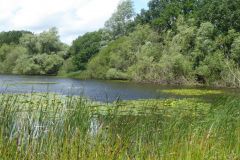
(49, 126)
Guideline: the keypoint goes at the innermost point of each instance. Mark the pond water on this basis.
(93, 89)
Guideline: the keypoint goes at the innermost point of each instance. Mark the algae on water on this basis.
(192, 92)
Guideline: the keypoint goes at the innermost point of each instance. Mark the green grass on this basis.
(49, 126)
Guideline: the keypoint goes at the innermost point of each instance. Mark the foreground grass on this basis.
(48, 126)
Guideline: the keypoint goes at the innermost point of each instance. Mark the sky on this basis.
(71, 17)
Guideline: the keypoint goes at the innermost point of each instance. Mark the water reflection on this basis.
(106, 91)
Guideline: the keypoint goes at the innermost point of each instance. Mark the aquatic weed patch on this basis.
(36, 82)
(192, 92)
(154, 106)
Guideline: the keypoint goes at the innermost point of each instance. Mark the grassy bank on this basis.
(48, 126)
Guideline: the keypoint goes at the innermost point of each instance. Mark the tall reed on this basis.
(47, 126)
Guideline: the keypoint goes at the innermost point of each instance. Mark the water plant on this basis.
(50, 126)
(193, 92)
(36, 82)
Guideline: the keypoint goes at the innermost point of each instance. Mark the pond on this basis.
(98, 90)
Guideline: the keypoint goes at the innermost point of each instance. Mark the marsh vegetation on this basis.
(189, 44)
(50, 126)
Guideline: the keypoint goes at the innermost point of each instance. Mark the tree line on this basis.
(22, 52)
(171, 42)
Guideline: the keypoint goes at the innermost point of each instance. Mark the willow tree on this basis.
(120, 20)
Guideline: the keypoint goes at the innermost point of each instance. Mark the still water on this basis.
(93, 89)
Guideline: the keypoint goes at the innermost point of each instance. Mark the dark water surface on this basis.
(93, 89)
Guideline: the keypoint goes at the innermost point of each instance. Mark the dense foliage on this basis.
(84, 47)
(12, 37)
(27, 53)
(120, 22)
(171, 42)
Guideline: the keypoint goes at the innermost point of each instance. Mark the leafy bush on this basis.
(116, 75)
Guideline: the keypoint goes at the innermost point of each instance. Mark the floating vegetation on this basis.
(29, 83)
(192, 92)
(37, 82)
(131, 107)
(146, 107)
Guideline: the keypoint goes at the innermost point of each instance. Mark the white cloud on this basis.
(71, 17)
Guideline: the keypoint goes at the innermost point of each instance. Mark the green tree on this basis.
(49, 64)
(223, 14)
(31, 42)
(50, 42)
(212, 67)
(67, 67)
(183, 41)
(26, 65)
(236, 50)
(115, 59)
(9, 62)
(4, 50)
(84, 48)
(162, 14)
(204, 43)
(175, 69)
(12, 37)
(118, 24)
(46, 42)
